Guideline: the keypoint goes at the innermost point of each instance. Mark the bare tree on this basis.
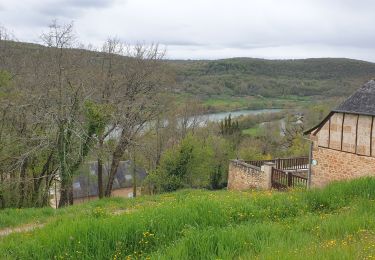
(141, 78)
(68, 92)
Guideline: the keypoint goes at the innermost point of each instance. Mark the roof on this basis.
(85, 184)
(361, 102)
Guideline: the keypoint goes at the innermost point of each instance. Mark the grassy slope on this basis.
(334, 223)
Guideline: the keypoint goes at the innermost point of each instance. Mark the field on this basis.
(253, 131)
(334, 223)
(227, 103)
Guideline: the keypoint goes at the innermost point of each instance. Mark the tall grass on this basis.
(14, 217)
(336, 222)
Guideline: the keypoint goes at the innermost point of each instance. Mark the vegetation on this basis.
(193, 163)
(60, 107)
(336, 222)
(231, 103)
(239, 82)
(273, 78)
(253, 131)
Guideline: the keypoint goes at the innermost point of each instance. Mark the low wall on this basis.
(335, 165)
(243, 176)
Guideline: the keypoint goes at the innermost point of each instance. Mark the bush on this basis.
(194, 163)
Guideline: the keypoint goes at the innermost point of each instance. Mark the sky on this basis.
(209, 29)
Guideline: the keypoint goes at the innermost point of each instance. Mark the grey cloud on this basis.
(212, 28)
(181, 43)
(72, 8)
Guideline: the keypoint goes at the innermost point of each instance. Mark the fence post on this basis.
(267, 168)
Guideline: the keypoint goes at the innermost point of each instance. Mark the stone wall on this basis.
(338, 165)
(243, 176)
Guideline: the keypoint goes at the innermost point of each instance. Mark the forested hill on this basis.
(270, 78)
(327, 77)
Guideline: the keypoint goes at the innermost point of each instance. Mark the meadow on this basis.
(336, 222)
(231, 103)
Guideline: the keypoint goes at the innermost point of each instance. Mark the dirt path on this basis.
(24, 228)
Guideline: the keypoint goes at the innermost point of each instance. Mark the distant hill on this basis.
(271, 78)
(325, 77)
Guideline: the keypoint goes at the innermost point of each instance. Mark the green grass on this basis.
(227, 103)
(253, 131)
(16, 217)
(334, 223)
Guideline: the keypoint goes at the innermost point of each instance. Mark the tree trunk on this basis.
(23, 182)
(100, 170)
(134, 173)
(66, 188)
(66, 192)
(2, 200)
(116, 157)
(114, 166)
(37, 182)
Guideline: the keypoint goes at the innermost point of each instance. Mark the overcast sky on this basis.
(209, 29)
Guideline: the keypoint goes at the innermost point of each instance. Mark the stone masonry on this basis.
(335, 165)
(243, 176)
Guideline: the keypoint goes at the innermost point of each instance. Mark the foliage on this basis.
(229, 127)
(63, 106)
(272, 78)
(5, 79)
(98, 116)
(239, 77)
(194, 163)
(330, 223)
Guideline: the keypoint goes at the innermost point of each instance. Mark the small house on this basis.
(344, 142)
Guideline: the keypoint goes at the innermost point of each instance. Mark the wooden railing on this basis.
(259, 163)
(282, 180)
(296, 163)
(279, 179)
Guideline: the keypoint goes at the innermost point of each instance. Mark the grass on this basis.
(16, 217)
(334, 223)
(253, 131)
(226, 103)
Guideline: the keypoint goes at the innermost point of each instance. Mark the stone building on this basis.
(344, 142)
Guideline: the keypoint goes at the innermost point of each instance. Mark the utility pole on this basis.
(310, 161)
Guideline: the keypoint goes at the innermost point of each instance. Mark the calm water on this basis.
(212, 117)
(216, 117)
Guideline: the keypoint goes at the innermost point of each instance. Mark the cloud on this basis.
(71, 8)
(211, 28)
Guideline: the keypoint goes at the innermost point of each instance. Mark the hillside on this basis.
(333, 223)
(273, 78)
(237, 77)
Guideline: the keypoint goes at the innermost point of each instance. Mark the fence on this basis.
(285, 173)
(282, 180)
(296, 163)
